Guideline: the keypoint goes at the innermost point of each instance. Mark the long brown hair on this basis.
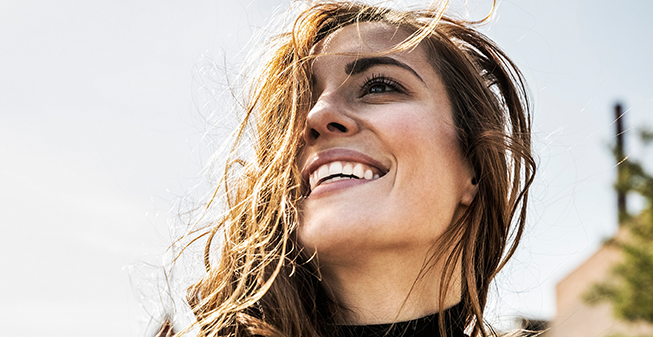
(262, 282)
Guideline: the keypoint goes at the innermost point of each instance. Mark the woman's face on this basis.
(382, 159)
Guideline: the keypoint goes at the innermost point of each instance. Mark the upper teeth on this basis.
(334, 171)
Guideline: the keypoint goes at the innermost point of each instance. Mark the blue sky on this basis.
(101, 124)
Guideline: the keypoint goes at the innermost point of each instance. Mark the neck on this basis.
(390, 287)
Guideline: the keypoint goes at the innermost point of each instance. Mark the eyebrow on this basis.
(360, 65)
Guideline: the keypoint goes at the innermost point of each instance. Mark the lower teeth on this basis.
(334, 179)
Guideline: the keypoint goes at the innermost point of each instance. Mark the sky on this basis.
(103, 109)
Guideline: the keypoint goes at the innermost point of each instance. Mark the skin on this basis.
(372, 237)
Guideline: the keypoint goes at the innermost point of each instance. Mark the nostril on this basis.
(314, 134)
(336, 126)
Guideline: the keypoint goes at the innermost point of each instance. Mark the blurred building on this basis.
(574, 316)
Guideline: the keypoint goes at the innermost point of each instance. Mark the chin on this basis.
(331, 238)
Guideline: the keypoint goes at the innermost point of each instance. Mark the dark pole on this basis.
(619, 154)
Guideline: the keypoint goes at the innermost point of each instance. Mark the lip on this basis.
(339, 154)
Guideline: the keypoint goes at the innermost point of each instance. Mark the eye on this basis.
(379, 88)
(379, 84)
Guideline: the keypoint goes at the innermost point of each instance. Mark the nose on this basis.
(329, 118)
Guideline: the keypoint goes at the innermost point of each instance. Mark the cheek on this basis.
(430, 172)
(415, 125)
(422, 141)
(402, 125)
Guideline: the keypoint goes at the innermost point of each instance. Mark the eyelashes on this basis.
(380, 84)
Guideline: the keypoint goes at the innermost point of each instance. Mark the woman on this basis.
(386, 183)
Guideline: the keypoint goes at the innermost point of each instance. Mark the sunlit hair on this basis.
(263, 283)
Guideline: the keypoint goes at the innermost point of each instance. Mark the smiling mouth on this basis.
(341, 170)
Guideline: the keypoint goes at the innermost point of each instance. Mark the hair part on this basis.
(263, 283)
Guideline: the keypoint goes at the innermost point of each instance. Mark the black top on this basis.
(422, 327)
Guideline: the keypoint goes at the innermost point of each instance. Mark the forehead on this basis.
(337, 53)
(366, 38)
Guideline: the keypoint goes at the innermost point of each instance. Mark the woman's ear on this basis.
(470, 188)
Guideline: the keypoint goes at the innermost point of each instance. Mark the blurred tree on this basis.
(629, 286)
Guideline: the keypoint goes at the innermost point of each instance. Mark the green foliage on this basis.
(646, 135)
(630, 285)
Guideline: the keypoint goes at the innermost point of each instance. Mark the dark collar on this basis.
(427, 326)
